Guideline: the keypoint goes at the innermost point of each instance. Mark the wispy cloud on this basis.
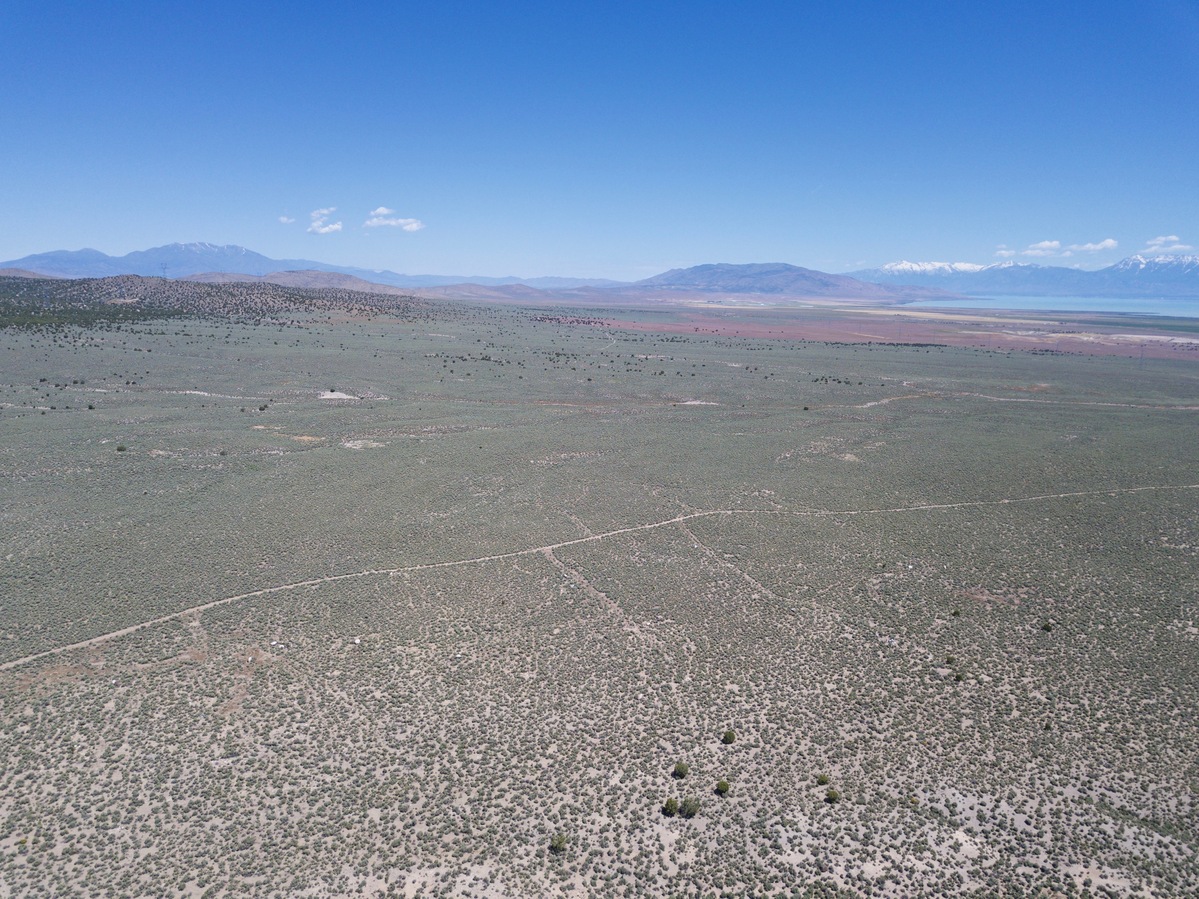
(1045, 248)
(1109, 243)
(320, 223)
(1053, 249)
(1166, 243)
(286, 219)
(382, 217)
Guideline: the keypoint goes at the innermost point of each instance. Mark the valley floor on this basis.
(430, 599)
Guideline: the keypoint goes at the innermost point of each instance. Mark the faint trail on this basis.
(1047, 401)
(1064, 402)
(572, 575)
(549, 549)
(790, 605)
(893, 399)
(725, 563)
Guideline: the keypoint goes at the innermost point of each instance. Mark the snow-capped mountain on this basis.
(1172, 265)
(1136, 276)
(930, 268)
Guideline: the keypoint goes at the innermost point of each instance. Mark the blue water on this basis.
(1139, 306)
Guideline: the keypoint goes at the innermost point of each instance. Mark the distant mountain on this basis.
(757, 283)
(754, 283)
(777, 278)
(173, 260)
(183, 260)
(931, 268)
(555, 283)
(1136, 276)
(1178, 268)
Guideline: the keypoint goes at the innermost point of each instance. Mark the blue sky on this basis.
(602, 139)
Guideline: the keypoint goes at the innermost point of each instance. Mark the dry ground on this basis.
(259, 641)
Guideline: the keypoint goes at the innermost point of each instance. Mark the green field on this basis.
(474, 577)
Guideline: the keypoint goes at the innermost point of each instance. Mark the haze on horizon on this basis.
(614, 142)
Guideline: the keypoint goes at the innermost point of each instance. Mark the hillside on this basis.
(306, 279)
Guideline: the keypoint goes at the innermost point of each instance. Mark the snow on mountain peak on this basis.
(1162, 261)
(204, 246)
(929, 268)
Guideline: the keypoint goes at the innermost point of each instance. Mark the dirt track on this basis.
(548, 550)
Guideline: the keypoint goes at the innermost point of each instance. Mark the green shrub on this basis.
(728, 737)
(822, 779)
(832, 797)
(670, 807)
(722, 788)
(681, 770)
(689, 808)
(558, 843)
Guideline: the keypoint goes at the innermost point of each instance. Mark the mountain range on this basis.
(1136, 276)
(183, 260)
(218, 264)
(897, 282)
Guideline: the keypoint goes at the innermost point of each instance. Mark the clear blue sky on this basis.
(602, 139)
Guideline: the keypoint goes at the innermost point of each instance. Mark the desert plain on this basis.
(320, 593)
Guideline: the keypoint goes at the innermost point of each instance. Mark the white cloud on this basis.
(1044, 248)
(1054, 248)
(1166, 243)
(1109, 243)
(381, 221)
(320, 223)
(382, 210)
(286, 219)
